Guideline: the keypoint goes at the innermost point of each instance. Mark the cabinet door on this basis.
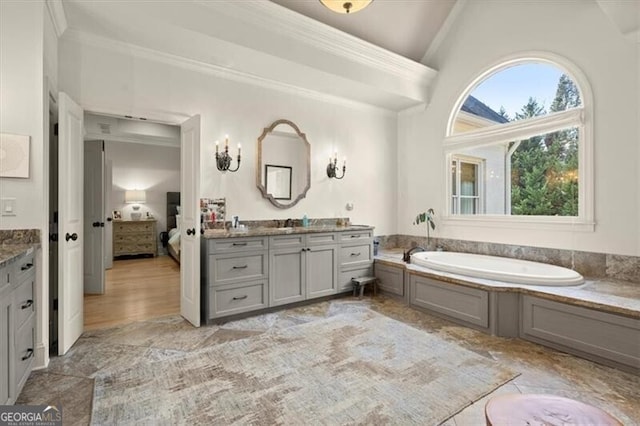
(322, 271)
(6, 343)
(286, 276)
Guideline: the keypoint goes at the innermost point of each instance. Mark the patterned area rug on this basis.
(352, 368)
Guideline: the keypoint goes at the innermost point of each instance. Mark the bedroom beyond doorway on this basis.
(136, 289)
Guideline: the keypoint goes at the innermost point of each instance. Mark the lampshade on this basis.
(345, 6)
(135, 196)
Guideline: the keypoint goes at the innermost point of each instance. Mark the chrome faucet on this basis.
(288, 223)
(406, 257)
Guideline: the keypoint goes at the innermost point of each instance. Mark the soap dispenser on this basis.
(305, 221)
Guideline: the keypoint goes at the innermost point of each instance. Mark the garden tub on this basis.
(497, 268)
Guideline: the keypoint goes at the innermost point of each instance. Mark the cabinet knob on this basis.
(27, 304)
(240, 297)
(28, 355)
(26, 266)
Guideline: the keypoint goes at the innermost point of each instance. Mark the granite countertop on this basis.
(11, 252)
(262, 231)
(620, 297)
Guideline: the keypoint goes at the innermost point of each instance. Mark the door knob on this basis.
(73, 236)
(109, 219)
(96, 224)
(191, 231)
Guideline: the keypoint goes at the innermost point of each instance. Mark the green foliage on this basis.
(544, 168)
(428, 218)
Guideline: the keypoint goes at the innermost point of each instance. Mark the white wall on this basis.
(484, 33)
(22, 105)
(155, 169)
(107, 80)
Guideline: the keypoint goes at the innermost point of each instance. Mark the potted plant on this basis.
(428, 218)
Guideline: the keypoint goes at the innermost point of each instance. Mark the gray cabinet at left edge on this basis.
(17, 326)
(247, 274)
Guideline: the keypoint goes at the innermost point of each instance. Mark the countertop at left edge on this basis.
(12, 252)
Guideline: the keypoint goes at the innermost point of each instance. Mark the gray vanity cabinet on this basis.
(6, 336)
(356, 257)
(302, 266)
(17, 326)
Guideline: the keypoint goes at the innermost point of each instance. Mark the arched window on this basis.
(519, 145)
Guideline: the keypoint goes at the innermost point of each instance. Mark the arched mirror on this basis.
(283, 172)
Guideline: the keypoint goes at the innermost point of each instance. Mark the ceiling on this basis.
(405, 27)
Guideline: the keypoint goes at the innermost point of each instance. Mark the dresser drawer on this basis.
(24, 353)
(228, 269)
(23, 301)
(354, 255)
(134, 238)
(134, 248)
(229, 245)
(131, 227)
(355, 236)
(237, 298)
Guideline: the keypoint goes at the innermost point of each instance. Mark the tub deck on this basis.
(620, 297)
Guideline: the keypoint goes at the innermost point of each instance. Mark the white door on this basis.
(94, 217)
(108, 224)
(70, 216)
(190, 220)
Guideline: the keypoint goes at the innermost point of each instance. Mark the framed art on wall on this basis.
(14, 155)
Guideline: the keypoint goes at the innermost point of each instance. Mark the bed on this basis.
(173, 225)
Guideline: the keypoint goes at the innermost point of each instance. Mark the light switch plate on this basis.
(8, 206)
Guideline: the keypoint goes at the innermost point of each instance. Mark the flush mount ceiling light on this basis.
(342, 6)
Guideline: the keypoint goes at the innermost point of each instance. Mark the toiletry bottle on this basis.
(305, 221)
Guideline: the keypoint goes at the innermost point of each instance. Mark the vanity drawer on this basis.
(237, 298)
(354, 255)
(24, 267)
(279, 241)
(24, 351)
(23, 301)
(229, 245)
(320, 239)
(229, 269)
(355, 236)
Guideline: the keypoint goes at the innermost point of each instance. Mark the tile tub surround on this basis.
(620, 297)
(542, 370)
(591, 265)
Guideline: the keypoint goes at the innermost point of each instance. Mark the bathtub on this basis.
(497, 268)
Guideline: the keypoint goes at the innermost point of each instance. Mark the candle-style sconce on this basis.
(223, 160)
(332, 168)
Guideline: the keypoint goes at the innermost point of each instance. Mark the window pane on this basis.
(544, 175)
(517, 93)
(468, 179)
(468, 206)
(454, 184)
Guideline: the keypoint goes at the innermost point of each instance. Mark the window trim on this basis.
(577, 117)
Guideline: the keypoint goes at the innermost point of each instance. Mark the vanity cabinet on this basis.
(234, 276)
(17, 326)
(356, 257)
(302, 266)
(243, 274)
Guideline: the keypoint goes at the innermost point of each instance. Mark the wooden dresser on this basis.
(132, 237)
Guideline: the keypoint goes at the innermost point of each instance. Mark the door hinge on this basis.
(55, 304)
(55, 129)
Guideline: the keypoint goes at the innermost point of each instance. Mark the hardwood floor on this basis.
(135, 289)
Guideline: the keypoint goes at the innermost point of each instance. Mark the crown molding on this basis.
(58, 17)
(137, 51)
(416, 109)
(444, 31)
(275, 18)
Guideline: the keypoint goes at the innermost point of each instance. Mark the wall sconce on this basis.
(135, 197)
(333, 167)
(223, 161)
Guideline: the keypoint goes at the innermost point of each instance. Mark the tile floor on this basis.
(69, 380)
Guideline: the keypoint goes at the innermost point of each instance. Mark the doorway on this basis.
(139, 164)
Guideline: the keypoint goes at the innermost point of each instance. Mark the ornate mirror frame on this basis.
(260, 167)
